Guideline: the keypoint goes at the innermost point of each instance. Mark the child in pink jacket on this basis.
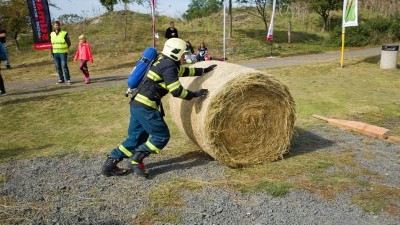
(84, 54)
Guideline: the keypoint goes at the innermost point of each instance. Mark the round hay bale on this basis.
(247, 118)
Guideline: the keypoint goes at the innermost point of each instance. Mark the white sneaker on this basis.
(69, 82)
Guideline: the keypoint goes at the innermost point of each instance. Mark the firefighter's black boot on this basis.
(135, 163)
(110, 168)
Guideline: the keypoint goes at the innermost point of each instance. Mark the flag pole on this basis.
(343, 39)
(153, 6)
(270, 52)
(224, 29)
(350, 18)
(271, 27)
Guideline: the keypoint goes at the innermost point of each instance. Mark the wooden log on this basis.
(363, 128)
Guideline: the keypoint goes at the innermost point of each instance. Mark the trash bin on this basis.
(389, 56)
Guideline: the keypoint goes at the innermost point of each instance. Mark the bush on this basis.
(395, 27)
(379, 24)
(355, 36)
(373, 31)
(358, 36)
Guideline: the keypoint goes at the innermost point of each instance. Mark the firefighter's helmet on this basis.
(174, 48)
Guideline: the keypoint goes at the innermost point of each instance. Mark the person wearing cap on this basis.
(147, 132)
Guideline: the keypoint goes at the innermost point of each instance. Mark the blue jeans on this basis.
(7, 61)
(60, 60)
(147, 132)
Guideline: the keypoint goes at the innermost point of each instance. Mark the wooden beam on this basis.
(363, 128)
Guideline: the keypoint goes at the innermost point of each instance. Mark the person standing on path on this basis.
(84, 54)
(3, 41)
(147, 132)
(60, 44)
(171, 31)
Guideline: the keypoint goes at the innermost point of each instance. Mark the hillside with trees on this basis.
(313, 27)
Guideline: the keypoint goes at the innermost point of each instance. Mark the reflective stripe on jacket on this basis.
(163, 78)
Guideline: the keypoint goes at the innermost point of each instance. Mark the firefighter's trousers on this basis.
(147, 132)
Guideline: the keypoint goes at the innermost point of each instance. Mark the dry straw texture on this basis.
(247, 119)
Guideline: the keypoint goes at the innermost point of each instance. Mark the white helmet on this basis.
(174, 48)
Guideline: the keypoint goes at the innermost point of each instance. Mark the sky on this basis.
(93, 8)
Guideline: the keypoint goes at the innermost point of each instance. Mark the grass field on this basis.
(76, 118)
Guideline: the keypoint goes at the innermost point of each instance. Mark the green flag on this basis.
(350, 13)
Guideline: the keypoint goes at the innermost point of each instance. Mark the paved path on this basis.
(308, 59)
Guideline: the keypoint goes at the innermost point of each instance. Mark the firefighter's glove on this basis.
(208, 69)
(201, 93)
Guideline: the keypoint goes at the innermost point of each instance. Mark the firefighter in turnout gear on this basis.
(147, 132)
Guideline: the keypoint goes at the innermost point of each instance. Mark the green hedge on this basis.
(369, 32)
(395, 27)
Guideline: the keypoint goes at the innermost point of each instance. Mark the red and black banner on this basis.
(41, 23)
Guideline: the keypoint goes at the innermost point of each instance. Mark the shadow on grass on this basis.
(119, 66)
(31, 99)
(36, 64)
(186, 161)
(304, 141)
(376, 60)
(42, 90)
(9, 153)
(109, 78)
(46, 88)
(373, 59)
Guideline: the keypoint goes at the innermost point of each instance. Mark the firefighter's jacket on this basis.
(163, 78)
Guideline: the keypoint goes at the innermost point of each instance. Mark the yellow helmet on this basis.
(174, 48)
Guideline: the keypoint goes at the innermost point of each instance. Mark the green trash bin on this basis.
(389, 56)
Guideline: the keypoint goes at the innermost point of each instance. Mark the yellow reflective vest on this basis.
(58, 42)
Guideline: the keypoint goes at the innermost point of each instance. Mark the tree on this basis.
(384, 7)
(109, 4)
(323, 8)
(14, 17)
(126, 3)
(261, 7)
(199, 8)
(299, 9)
(230, 19)
(70, 18)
